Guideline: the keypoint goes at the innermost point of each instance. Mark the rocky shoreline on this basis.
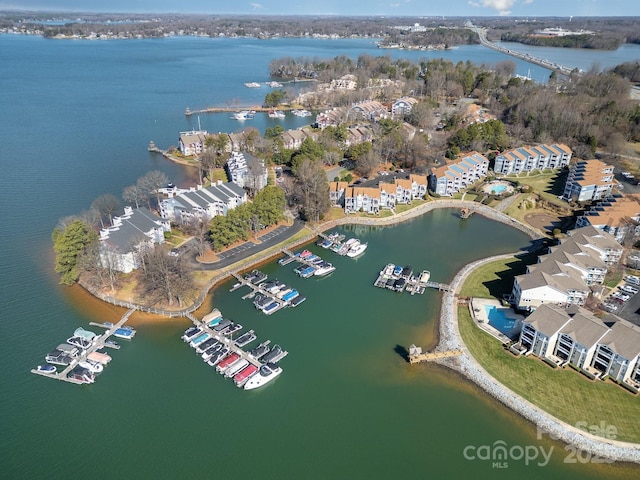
(590, 446)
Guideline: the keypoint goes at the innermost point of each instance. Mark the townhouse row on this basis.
(574, 336)
(527, 159)
(565, 275)
(373, 199)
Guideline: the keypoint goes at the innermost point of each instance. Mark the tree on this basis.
(70, 244)
(273, 132)
(309, 150)
(133, 194)
(273, 99)
(367, 163)
(165, 278)
(313, 188)
(152, 182)
(105, 206)
(268, 205)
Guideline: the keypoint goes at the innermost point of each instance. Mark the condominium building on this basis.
(526, 159)
(588, 180)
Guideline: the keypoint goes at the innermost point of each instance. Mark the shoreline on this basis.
(448, 335)
(468, 367)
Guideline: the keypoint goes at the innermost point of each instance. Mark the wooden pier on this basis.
(443, 287)
(416, 355)
(98, 343)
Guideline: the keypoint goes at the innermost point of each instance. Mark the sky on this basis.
(413, 8)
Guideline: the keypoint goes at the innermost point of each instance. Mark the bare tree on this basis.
(106, 205)
(313, 188)
(152, 182)
(165, 278)
(133, 194)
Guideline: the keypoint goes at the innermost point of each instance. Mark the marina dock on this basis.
(229, 342)
(255, 289)
(401, 279)
(97, 344)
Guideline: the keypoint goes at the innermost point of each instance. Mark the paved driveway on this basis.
(247, 249)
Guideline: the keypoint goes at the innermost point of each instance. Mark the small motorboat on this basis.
(93, 367)
(49, 369)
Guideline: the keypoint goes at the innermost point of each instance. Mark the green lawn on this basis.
(564, 393)
(496, 278)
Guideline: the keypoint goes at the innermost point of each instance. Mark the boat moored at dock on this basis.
(244, 375)
(357, 249)
(266, 374)
(227, 361)
(125, 332)
(79, 342)
(235, 367)
(47, 368)
(325, 268)
(245, 338)
(219, 355)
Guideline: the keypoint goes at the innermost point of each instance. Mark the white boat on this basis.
(302, 113)
(267, 373)
(276, 114)
(50, 369)
(348, 245)
(274, 84)
(93, 367)
(244, 115)
(236, 367)
(325, 269)
(252, 85)
(357, 250)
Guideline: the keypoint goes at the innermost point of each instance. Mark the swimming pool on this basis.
(498, 188)
(499, 320)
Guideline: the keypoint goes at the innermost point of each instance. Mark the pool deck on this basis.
(479, 314)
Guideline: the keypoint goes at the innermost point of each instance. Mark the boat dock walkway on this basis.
(229, 342)
(416, 355)
(257, 289)
(443, 287)
(296, 258)
(97, 344)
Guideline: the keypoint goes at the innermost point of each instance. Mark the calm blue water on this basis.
(77, 117)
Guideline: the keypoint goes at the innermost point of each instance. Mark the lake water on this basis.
(77, 119)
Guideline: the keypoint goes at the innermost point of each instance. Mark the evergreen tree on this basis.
(70, 244)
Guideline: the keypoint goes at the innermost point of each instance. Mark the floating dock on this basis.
(229, 342)
(255, 289)
(97, 344)
(401, 279)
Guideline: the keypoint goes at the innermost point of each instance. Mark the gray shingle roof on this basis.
(548, 319)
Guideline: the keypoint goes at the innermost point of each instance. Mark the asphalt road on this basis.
(247, 249)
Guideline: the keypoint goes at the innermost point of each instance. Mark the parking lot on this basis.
(624, 301)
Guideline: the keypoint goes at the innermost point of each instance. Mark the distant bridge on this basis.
(562, 69)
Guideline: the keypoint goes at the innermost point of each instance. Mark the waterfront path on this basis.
(450, 339)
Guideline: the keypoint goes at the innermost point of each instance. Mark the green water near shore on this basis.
(346, 406)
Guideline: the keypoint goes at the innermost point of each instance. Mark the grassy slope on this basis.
(564, 393)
